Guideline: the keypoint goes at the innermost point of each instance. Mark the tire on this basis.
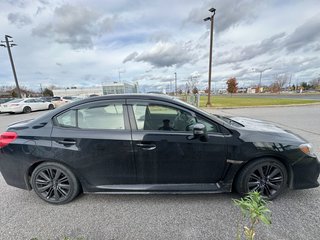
(54, 183)
(265, 175)
(27, 110)
(51, 107)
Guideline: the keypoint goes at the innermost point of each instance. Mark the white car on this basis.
(59, 101)
(25, 105)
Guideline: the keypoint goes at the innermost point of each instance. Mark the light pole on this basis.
(121, 71)
(213, 11)
(260, 71)
(175, 83)
(8, 45)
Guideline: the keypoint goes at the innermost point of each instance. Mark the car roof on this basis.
(106, 97)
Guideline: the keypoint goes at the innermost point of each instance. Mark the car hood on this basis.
(258, 125)
(258, 130)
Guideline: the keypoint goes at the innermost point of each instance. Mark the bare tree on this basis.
(280, 80)
(315, 83)
(192, 83)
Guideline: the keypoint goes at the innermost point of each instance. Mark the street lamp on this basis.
(175, 83)
(260, 71)
(211, 18)
(9, 45)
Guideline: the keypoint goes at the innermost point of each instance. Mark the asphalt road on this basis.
(295, 214)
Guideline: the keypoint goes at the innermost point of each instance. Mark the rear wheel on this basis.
(267, 176)
(51, 107)
(27, 109)
(54, 183)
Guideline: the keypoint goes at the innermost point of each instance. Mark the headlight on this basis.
(307, 149)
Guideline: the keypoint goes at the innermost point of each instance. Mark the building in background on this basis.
(114, 88)
(119, 88)
(78, 92)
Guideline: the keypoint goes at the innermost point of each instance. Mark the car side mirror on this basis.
(200, 132)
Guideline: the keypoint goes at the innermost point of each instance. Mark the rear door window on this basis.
(102, 117)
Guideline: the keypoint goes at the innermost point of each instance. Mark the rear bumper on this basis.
(13, 173)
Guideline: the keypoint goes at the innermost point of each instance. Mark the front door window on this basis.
(158, 117)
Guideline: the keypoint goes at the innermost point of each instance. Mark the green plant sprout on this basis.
(254, 207)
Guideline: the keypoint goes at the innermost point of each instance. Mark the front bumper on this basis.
(305, 173)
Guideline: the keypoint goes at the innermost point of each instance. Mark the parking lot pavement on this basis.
(6, 118)
(295, 214)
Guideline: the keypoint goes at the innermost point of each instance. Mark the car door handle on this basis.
(146, 146)
(67, 142)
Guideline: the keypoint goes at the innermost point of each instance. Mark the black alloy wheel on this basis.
(54, 183)
(27, 109)
(267, 176)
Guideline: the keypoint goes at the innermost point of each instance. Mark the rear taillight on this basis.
(6, 138)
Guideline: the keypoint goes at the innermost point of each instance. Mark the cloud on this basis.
(304, 34)
(19, 19)
(18, 3)
(130, 57)
(295, 64)
(44, 2)
(165, 54)
(160, 36)
(229, 13)
(239, 54)
(40, 10)
(75, 25)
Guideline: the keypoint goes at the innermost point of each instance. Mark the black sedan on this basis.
(151, 144)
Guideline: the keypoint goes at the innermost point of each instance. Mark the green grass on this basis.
(234, 101)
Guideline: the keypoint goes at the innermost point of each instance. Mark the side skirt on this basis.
(161, 189)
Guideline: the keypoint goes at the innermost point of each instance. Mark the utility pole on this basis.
(8, 45)
(213, 11)
(260, 71)
(175, 82)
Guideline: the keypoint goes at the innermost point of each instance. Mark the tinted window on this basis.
(67, 119)
(101, 117)
(162, 118)
(211, 127)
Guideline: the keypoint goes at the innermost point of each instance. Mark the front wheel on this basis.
(267, 176)
(54, 183)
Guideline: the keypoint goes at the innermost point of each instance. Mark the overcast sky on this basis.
(87, 42)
